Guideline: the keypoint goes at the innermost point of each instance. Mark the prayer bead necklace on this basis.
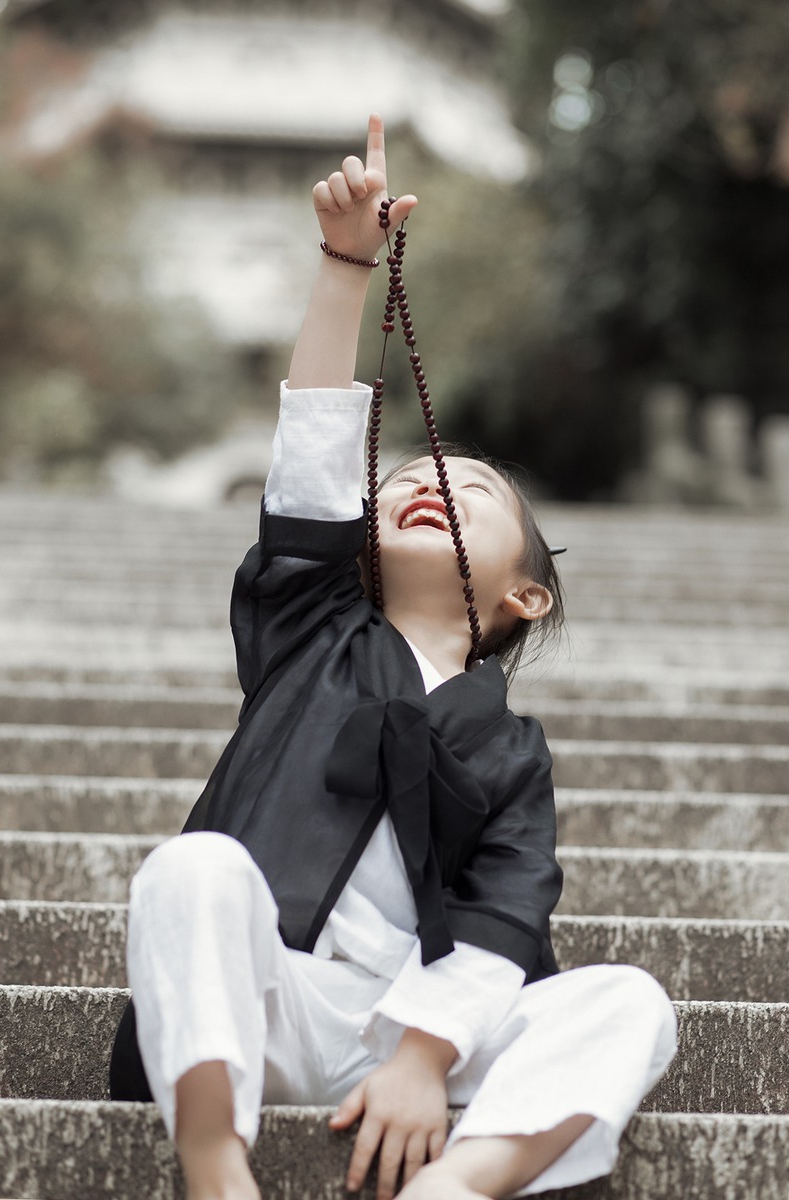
(397, 305)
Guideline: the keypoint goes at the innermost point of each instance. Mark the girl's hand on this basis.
(348, 202)
(403, 1106)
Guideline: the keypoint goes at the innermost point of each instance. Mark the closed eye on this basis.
(482, 486)
(405, 479)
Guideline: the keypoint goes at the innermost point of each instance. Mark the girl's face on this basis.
(414, 531)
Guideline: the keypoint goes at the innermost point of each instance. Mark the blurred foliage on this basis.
(474, 290)
(661, 214)
(89, 358)
(652, 244)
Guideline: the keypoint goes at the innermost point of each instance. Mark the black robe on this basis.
(336, 729)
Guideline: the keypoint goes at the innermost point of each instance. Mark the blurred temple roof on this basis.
(273, 77)
(262, 84)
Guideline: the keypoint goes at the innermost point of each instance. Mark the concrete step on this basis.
(55, 1044)
(212, 708)
(70, 866)
(674, 883)
(122, 537)
(57, 944)
(657, 646)
(528, 691)
(619, 646)
(726, 960)
(671, 766)
(693, 820)
(144, 753)
(96, 1149)
(677, 686)
(166, 612)
(204, 604)
(648, 721)
(151, 675)
(97, 868)
(60, 944)
(587, 817)
(611, 533)
(28, 643)
(181, 753)
(84, 582)
(124, 705)
(74, 804)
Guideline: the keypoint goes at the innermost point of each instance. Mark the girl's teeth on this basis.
(428, 514)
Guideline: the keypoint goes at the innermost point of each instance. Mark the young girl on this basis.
(367, 879)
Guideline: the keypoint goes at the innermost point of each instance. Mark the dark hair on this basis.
(523, 643)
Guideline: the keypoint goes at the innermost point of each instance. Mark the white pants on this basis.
(212, 980)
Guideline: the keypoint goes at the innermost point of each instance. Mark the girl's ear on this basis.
(528, 603)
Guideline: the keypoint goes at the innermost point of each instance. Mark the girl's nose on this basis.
(421, 489)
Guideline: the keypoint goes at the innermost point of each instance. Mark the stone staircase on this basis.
(666, 709)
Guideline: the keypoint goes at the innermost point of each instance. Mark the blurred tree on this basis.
(477, 299)
(664, 230)
(89, 358)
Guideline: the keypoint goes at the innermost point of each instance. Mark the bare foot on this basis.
(483, 1168)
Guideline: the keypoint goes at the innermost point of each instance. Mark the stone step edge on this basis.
(718, 681)
(29, 991)
(56, 1044)
(748, 858)
(123, 1151)
(17, 782)
(52, 943)
(732, 751)
(135, 694)
(680, 924)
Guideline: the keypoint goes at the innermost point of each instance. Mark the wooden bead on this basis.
(397, 304)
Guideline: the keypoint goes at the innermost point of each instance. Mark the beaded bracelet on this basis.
(346, 258)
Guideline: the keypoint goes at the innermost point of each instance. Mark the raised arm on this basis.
(347, 205)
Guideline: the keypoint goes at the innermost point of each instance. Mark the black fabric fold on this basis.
(389, 748)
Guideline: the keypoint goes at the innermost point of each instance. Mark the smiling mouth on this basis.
(434, 518)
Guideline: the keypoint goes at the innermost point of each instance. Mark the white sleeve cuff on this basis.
(461, 998)
(318, 454)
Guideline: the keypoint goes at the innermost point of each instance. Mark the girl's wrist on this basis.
(428, 1048)
(340, 278)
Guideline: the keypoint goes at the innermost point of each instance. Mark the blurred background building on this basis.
(600, 268)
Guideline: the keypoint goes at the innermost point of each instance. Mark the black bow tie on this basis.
(387, 749)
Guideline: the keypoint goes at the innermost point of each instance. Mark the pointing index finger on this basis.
(376, 151)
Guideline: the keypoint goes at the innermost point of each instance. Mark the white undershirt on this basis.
(316, 471)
